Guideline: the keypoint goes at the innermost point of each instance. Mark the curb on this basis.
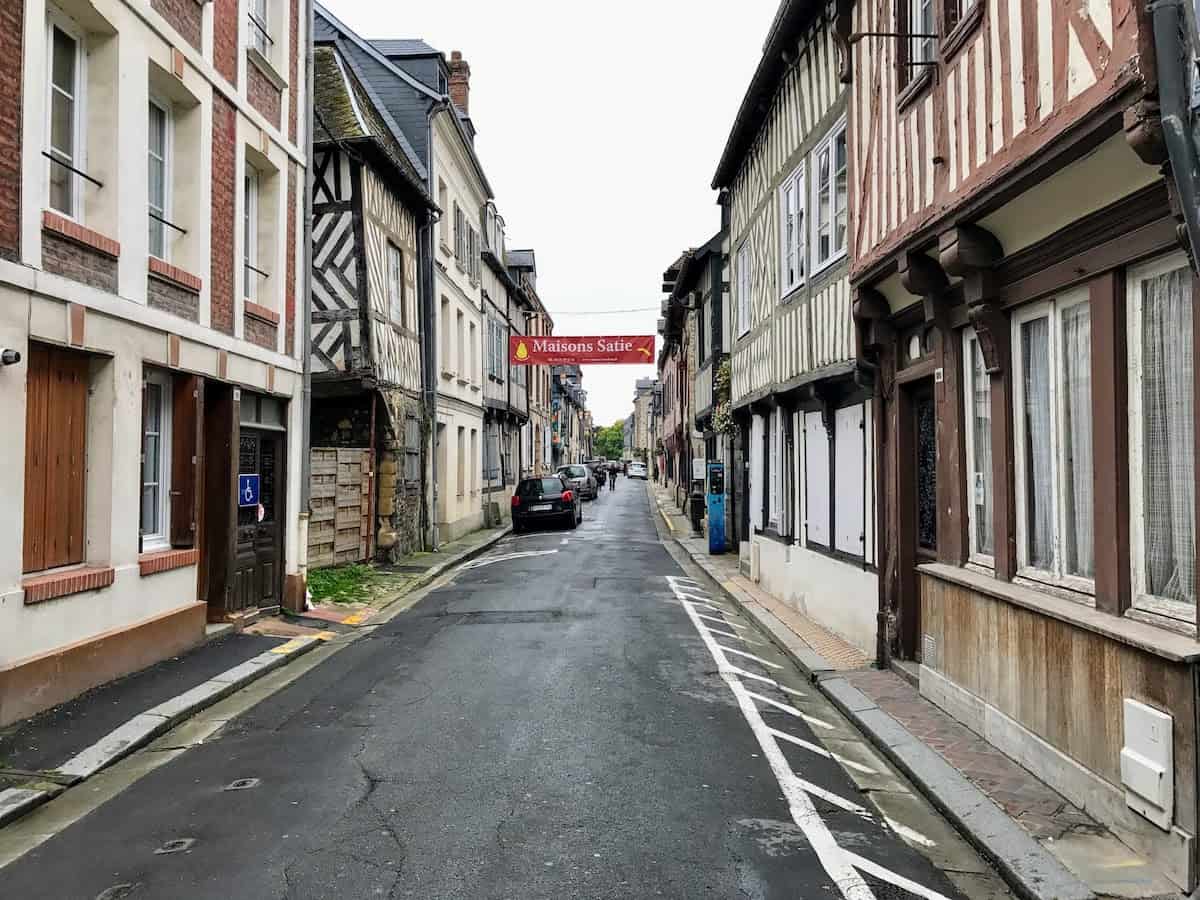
(146, 726)
(1029, 869)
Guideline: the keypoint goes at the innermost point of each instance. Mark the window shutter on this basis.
(37, 396)
(187, 410)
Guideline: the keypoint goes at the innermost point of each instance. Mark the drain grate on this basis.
(242, 784)
(178, 845)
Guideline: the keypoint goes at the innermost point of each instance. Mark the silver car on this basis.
(581, 480)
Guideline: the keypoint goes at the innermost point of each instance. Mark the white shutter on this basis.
(756, 471)
(816, 464)
(773, 468)
(850, 480)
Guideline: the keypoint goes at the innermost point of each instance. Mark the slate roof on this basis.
(345, 112)
(404, 47)
(520, 259)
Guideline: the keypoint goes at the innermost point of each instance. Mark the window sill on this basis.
(915, 88)
(40, 588)
(821, 268)
(1140, 635)
(61, 225)
(165, 560)
(957, 38)
(164, 271)
(791, 293)
(260, 312)
(268, 69)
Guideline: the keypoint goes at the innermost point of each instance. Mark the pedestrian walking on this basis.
(612, 479)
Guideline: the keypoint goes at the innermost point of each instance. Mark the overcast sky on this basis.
(600, 134)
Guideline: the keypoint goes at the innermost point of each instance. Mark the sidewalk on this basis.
(1044, 846)
(45, 755)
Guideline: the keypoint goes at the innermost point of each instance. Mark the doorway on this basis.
(257, 578)
(917, 506)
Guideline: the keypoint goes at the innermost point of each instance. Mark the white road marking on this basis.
(722, 621)
(733, 634)
(910, 834)
(757, 659)
(787, 709)
(842, 866)
(835, 799)
(821, 751)
(505, 557)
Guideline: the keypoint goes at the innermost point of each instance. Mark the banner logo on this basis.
(562, 351)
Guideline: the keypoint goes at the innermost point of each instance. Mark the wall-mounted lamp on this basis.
(10, 357)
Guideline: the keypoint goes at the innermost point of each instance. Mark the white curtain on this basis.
(981, 424)
(1168, 442)
(1079, 507)
(1039, 420)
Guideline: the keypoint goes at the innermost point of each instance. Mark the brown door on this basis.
(918, 505)
(259, 544)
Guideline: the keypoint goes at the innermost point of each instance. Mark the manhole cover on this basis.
(243, 784)
(179, 845)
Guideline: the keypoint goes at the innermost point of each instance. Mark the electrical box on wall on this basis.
(1148, 763)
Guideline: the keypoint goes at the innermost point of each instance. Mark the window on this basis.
(744, 287)
(474, 461)
(491, 454)
(829, 198)
(66, 119)
(978, 396)
(955, 10)
(444, 206)
(159, 177)
(259, 32)
(412, 448)
(56, 395)
(1053, 406)
(460, 237)
(816, 480)
(702, 315)
(156, 456)
(793, 245)
(1162, 438)
(474, 349)
(444, 327)
(395, 273)
(921, 22)
(460, 332)
(462, 461)
(251, 271)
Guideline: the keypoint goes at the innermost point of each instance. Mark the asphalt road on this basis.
(570, 717)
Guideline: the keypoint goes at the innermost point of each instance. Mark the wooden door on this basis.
(258, 549)
(917, 505)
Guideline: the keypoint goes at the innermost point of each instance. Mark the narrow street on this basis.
(569, 715)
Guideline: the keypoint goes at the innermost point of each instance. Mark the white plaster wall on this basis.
(840, 596)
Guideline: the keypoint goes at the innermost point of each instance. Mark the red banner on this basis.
(562, 351)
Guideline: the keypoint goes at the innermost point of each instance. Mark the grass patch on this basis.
(342, 584)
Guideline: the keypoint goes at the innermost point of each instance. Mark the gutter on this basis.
(306, 322)
(429, 334)
(1176, 44)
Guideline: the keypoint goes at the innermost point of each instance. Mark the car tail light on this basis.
(568, 497)
(516, 501)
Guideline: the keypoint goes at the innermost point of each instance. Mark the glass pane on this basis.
(158, 131)
(149, 520)
(158, 239)
(62, 126)
(1039, 422)
(60, 190)
(1078, 505)
(981, 462)
(1168, 443)
(150, 460)
(153, 408)
(63, 64)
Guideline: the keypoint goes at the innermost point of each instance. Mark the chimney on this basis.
(460, 82)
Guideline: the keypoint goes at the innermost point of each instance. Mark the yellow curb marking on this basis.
(325, 635)
(291, 646)
(355, 619)
(663, 513)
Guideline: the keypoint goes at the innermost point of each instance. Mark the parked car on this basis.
(545, 499)
(637, 470)
(580, 477)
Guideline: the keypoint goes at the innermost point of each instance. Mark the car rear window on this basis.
(575, 471)
(535, 486)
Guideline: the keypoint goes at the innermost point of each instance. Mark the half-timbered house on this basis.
(1027, 317)
(368, 418)
(801, 473)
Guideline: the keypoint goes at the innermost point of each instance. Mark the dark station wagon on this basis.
(546, 499)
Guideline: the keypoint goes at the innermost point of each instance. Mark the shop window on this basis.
(56, 397)
(978, 396)
(793, 245)
(1162, 438)
(1053, 412)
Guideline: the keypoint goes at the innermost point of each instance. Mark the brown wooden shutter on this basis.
(37, 395)
(55, 458)
(186, 414)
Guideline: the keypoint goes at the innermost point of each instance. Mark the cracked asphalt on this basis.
(542, 726)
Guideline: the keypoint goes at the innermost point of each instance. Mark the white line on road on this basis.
(505, 557)
(909, 834)
(733, 634)
(722, 621)
(835, 799)
(757, 659)
(891, 877)
(820, 751)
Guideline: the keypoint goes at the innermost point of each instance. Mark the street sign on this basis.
(248, 490)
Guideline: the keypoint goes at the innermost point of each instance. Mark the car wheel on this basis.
(575, 521)
(517, 527)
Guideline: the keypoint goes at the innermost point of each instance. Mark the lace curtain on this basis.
(1039, 453)
(1078, 504)
(981, 424)
(1168, 457)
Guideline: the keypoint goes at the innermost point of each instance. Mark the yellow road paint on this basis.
(356, 619)
(291, 646)
(325, 635)
(663, 513)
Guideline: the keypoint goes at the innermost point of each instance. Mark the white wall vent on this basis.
(1148, 763)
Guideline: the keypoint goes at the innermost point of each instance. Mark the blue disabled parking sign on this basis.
(247, 490)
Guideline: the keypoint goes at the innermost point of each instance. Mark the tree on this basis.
(610, 441)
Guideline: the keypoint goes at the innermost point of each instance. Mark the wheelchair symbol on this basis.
(247, 490)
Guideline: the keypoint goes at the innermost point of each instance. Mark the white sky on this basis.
(600, 135)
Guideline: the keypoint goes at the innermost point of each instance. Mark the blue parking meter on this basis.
(716, 508)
